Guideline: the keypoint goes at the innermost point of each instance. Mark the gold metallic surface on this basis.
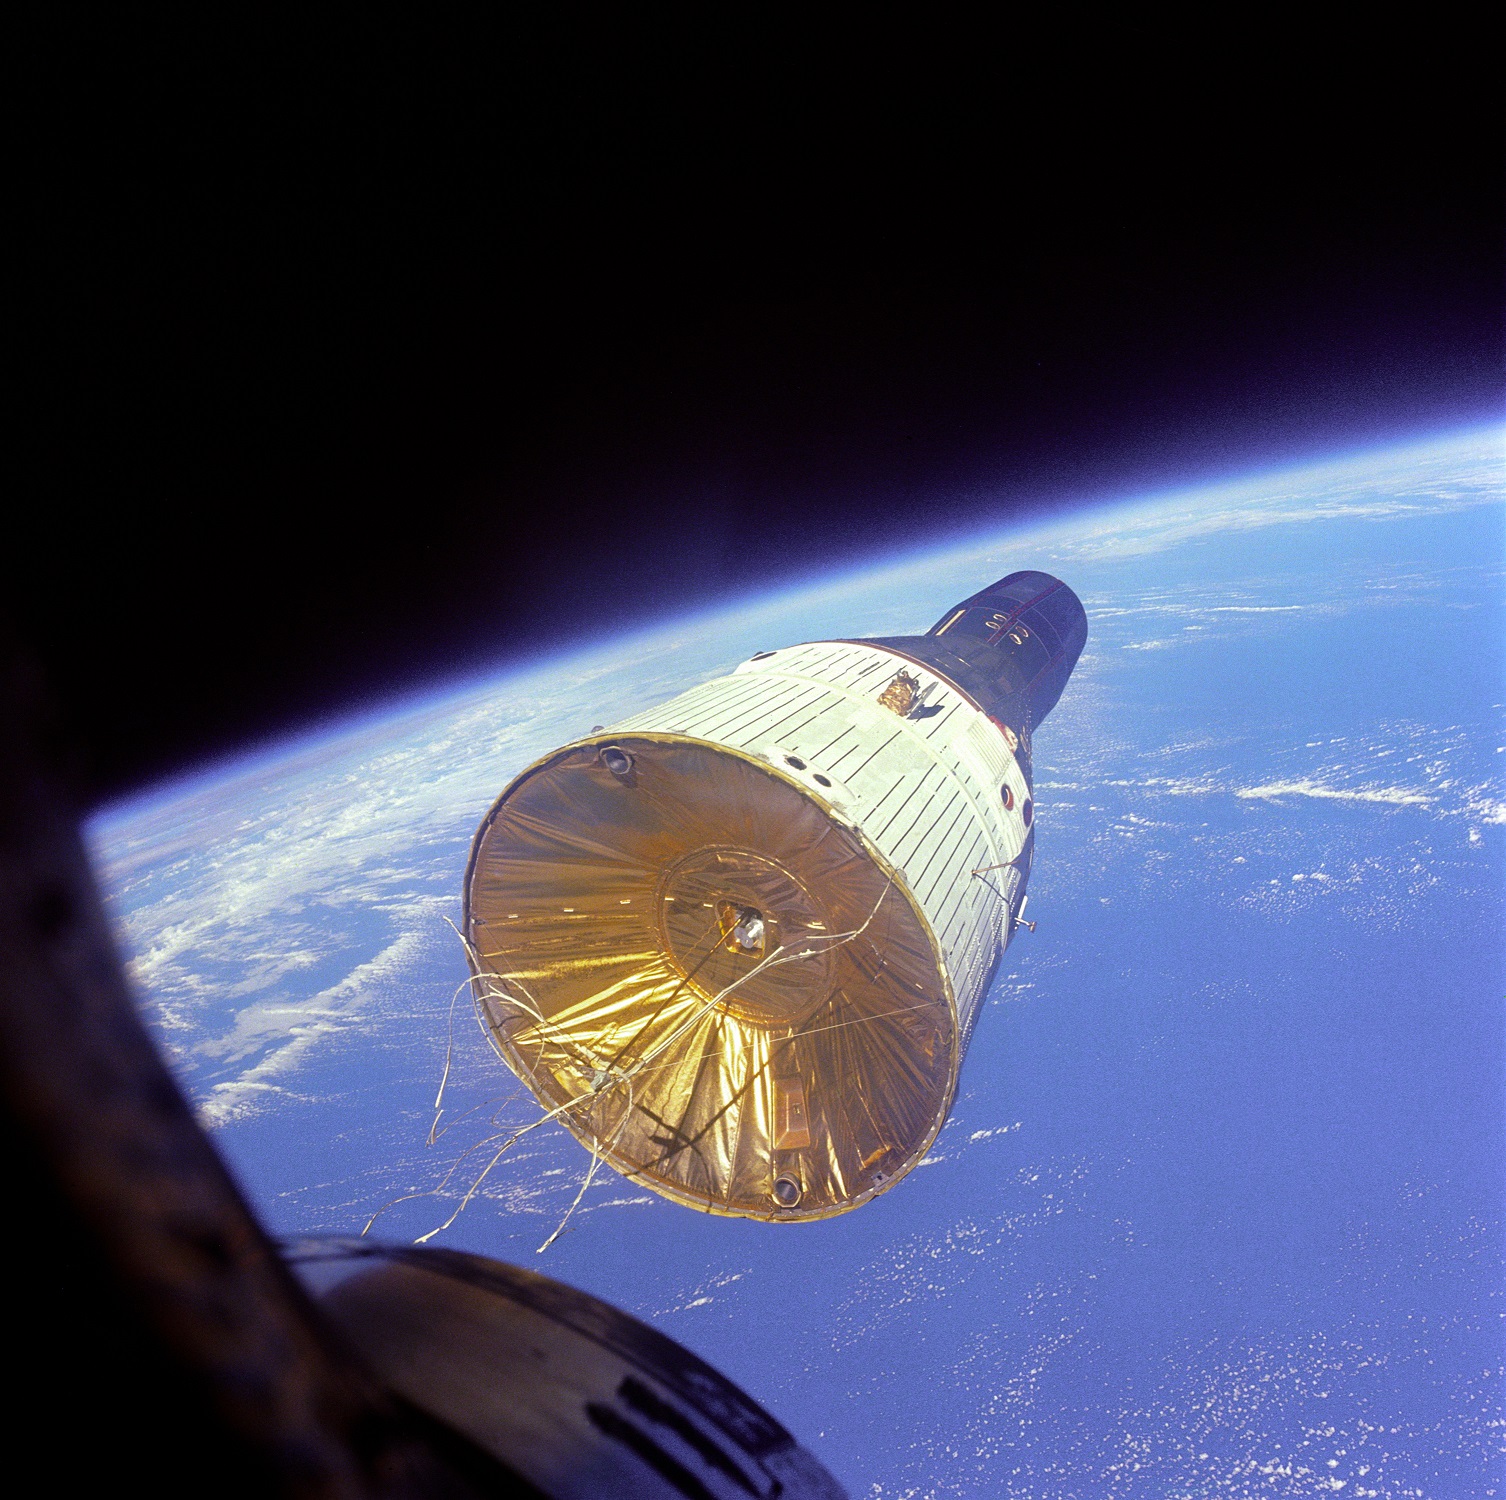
(714, 981)
(900, 695)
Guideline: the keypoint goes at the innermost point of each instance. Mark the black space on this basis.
(350, 358)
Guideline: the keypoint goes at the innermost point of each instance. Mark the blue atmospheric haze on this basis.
(1219, 1207)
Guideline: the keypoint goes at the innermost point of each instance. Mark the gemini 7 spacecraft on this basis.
(738, 943)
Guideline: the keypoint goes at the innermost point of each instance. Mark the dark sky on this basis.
(354, 357)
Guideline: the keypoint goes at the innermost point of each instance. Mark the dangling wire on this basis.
(606, 1077)
(501, 1151)
(449, 1053)
(597, 1157)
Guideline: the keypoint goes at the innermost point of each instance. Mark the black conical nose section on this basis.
(1011, 646)
(1032, 624)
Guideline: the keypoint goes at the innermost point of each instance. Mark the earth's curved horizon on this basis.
(1218, 1210)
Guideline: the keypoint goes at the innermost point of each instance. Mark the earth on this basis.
(1219, 1206)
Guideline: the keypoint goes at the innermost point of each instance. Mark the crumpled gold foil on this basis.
(603, 902)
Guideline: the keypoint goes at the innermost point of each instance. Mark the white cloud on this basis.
(1394, 796)
(291, 1028)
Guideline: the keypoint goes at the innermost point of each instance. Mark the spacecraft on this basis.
(574, 1397)
(738, 943)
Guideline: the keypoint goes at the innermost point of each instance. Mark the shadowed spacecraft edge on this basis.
(738, 943)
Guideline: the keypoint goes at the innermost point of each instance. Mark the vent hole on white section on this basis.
(821, 780)
(1009, 798)
(794, 760)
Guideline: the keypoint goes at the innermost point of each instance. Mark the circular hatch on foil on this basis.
(732, 921)
(724, 985)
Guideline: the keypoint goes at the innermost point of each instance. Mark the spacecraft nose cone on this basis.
(1011, 647)
(1029, 628)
